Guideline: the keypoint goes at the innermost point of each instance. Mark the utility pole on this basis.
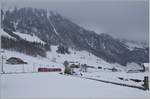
(146, 83)
(2, 60)
(23, 69)
(3, 64)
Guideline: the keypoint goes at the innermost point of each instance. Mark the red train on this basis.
(49, 69)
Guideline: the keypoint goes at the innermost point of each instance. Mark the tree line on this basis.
(30, 48)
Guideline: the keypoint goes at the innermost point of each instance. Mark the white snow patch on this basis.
(48, 15)
(54, 29)
(133, 66)
(29, 37)
(132, 46)
(3, 33)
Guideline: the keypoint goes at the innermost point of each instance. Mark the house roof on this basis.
(146, 64)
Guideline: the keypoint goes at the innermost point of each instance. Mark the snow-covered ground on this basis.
(54, 85)
(114, 77)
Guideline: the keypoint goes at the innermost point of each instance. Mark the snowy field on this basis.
(113, 77)
(35, 85)
(54, 85)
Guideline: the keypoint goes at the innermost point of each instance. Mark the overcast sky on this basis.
(120, 18)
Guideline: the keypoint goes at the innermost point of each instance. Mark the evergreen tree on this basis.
(63, 49)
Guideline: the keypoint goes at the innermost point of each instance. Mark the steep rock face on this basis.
(54, 29)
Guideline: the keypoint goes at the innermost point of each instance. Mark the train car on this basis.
(42, 69)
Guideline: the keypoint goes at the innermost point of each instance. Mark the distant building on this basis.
(145, 66)
(114, 69)
(15, 60)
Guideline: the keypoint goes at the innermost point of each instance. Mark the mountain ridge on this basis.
(54, 29)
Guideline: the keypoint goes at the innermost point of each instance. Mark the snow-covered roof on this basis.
(146, 64)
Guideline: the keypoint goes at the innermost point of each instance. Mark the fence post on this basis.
(33, 67)
(146, 83)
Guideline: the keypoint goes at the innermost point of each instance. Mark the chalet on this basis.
(15, 60)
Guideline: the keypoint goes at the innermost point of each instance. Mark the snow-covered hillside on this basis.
(32, 62)
(55, 59)
(131, 45)
(82, 57)
(3, 33)
(29, 38)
